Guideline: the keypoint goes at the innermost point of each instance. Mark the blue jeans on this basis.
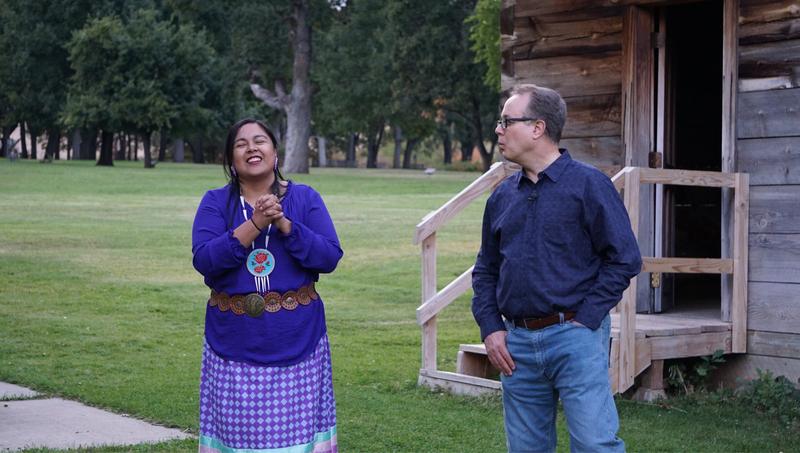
(564, 360)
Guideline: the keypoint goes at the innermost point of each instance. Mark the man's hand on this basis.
(498, 353)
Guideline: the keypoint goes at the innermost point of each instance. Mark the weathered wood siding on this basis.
(580, 55)
(768, 148)
(575, 46)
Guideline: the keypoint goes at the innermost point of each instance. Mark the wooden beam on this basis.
(687, 177)
(681, 346)
(774, 258)
(740, 258)
(687, 265)
(627, 307)
(773, 161)
(445, 297)
(775, 209)
(434, 220)
(459, 384)
(428, 291)
(573, 75)
(730, 77)
(773, 307)
(768, 114)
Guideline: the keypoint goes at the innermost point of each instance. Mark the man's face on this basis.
(517, 138)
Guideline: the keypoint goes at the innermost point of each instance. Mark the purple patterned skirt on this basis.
(267, 409)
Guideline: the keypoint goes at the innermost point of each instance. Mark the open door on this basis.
(688, 130)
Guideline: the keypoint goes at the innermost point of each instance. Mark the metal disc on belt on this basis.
(312, 292)
(302, 296)
(214, 299)
(224, 304)
(254, 305)
(272, 302)
(289, 300)
(237, 304)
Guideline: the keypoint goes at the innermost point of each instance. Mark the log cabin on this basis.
(693, 108)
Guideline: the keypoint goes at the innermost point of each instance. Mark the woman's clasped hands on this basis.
(268, 210)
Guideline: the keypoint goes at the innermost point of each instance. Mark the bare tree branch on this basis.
(278, 100)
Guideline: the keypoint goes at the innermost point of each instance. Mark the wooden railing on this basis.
(628, 180)
(434, 301)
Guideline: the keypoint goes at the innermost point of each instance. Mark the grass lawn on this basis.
(99, 303)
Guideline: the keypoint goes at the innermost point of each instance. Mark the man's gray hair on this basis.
(547, 105)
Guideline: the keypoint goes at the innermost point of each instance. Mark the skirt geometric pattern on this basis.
(261, 409)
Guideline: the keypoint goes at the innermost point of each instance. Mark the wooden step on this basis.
(473, 361)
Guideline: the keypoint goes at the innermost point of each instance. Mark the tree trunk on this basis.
(106, 149)
(7, 131)
(24, 141)
(466, 151)
(148, 159)
(298, 111)
(197, 151)
(162, 146)
(34, 145)
(177, 153)
(53, 142)
(77, 143)
(136, 147)
(120, 141)
(410, 144)
(478, 127)
(69, 146)
(448, 146)
(373, 145)
(322, 152)
(350, 160)
(89, 145)
(398, 146)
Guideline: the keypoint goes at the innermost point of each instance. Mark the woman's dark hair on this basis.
(227, 160)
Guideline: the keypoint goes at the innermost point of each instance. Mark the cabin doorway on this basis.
(688, 132)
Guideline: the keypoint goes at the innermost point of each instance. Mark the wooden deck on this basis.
(658, 337)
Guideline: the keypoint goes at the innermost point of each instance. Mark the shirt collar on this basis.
(553, 171)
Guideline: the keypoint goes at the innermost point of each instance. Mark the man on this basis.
(557, 252)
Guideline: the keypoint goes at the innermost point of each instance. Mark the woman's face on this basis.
(253, 152)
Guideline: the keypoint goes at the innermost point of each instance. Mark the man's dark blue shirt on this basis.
(562, 244)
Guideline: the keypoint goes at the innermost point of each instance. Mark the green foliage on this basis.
(485, 36)
(774, 396)
(142, 75)
(690, 375)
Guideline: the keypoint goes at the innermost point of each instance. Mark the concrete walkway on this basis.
(62, 424)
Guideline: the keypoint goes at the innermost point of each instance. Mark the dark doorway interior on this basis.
(694, 49)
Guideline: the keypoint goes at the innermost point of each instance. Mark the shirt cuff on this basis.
(490, 326)
(589, 315)
(237, 249)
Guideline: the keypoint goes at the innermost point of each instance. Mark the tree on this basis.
(35, 67)
(485, 36)
(353, 71)
(141, 76)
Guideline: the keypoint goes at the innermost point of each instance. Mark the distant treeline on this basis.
(105, 78)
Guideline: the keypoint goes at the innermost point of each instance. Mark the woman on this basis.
(261, 243)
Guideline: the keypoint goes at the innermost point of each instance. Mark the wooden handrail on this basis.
(687, 177)
(687, 265)
(445, 297)
(435, 219)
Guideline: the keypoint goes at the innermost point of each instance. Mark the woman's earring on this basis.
(276, 163)
(233, 171)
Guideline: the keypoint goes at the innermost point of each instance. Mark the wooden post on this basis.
(627, 310)
(428, 291)
(740, 244)
(730, 65)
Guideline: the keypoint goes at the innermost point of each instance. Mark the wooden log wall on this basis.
(768, 148)
(574, 47)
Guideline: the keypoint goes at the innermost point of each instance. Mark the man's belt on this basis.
(538, 323)
(254, 304)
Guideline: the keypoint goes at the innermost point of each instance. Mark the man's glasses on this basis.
(504, 122)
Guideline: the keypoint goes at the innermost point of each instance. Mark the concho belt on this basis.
(254, 304)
